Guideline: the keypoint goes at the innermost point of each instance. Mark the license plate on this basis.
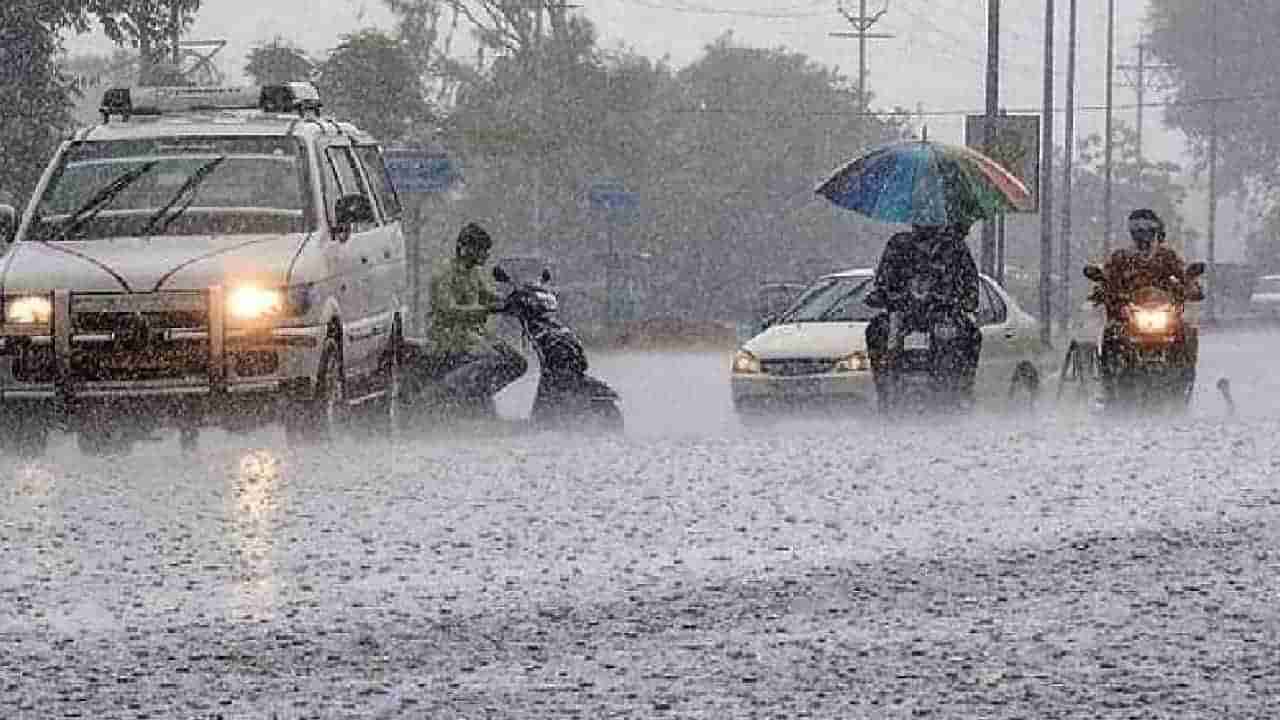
(916, 341)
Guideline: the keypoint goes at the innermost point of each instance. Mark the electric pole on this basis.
(1210, 299)
(541, 6)
(988, 251)
(1064, 312)
(1108, 143)
(1046, 186)
(862, 23)
(1143, 76)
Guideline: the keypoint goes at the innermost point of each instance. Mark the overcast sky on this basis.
(935, 61)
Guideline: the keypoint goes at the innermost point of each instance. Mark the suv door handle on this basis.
(1011, 334)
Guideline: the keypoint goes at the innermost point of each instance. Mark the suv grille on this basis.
(791, 368)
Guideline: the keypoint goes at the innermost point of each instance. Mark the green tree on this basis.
(38, 96)
(278, 61)
(1238, 85)
(370, 79)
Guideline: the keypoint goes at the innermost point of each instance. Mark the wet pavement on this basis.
(1045, 565)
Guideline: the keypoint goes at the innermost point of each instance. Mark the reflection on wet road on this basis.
(439, 575)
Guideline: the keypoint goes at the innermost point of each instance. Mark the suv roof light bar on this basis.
(300, 97)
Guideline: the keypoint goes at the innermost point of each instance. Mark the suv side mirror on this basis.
(500, 275)
(1094, 273)
(1195, 269)
(8, 223)
(352, 209)
(546, 275)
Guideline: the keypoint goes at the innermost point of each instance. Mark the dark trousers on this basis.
(479, 372)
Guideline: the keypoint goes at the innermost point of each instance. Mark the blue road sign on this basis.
(420, 170)
(610, 194)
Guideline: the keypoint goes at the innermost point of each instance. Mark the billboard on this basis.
(1017, 146)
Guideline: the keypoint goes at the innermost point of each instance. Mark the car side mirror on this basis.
(1195, 269)
(352, 209)
(768, 320)
(1094, 273)
(500, 275)
(546, 275)
(8, 223)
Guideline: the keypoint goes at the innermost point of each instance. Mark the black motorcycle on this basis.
(566, 396)
(1147, 358)
(923, 361)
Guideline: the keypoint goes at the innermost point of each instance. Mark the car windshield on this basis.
(178, 186)
(839, 299)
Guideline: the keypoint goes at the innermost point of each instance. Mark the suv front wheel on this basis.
(321, 416)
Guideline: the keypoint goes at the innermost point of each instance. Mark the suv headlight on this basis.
(855, 362)
(248, 302)
(744, 363)
(28, 310)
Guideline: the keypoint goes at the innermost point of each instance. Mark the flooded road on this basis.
(1004, 566)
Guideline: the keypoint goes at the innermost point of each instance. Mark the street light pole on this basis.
(988, 249)
(1046, 185)
(1064, 312)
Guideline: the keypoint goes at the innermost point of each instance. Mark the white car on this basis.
(816, 354)
(1266, 295)
(204, 256)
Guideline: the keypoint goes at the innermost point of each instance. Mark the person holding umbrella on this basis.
(926, 279)
(934, 259)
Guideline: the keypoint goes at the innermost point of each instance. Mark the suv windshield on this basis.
(841, 299)
(175, 186)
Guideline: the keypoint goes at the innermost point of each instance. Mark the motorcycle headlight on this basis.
(28, 310)
(248, 302)
(744, 363)
(1152, 321)
(856, 362)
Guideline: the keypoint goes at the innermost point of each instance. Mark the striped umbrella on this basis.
(920, 182)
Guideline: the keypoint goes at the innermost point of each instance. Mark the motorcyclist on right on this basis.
(1149, 263)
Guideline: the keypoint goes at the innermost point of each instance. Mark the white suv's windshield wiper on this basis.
(94, 205)
(187, 190)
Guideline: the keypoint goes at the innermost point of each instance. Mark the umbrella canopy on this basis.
(921, 182)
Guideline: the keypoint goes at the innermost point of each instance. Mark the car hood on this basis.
(818, 340)
(150, 264)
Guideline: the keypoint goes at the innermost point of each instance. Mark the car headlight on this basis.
(855, 362)
(254, 303)
(28, 310)
(744, 363)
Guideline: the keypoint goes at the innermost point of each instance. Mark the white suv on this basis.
(204, 256)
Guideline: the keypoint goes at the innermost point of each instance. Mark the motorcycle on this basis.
(1147, 360)
(921, 362)
(567, 396)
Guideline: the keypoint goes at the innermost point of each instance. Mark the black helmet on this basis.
(475, 236)
(1144, 226)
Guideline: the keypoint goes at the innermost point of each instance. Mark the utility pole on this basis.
(1107, 208)
(1046, 186)
(1065, 311)
(1143, 77)
(862, 23)
(540, 7)
(1211, 298)
(988, 250)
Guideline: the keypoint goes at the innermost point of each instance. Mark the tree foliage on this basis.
(1240, 86)
(371, 79)
(278, 61)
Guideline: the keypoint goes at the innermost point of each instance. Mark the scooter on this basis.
(567, 396)
(1148, 361)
